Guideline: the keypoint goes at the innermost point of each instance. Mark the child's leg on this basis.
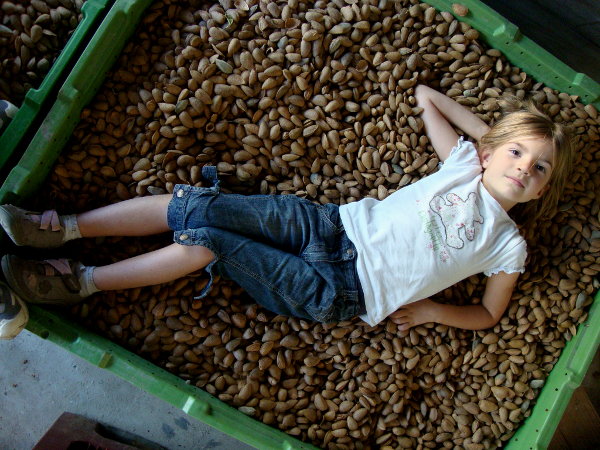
(159, 266)
(64, 281)
(286, 222)
(321, 286)
(138, 216)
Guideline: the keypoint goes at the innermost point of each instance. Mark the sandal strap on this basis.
(47, 219)
(62, 266)
(65, 270)
(50, 218)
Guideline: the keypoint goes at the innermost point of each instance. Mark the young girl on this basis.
(371, 258)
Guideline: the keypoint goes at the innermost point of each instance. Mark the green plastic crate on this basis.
(16, 134)
(521, 51)
(566, 376)
(147, 376)
(535, 433)
(28, 175)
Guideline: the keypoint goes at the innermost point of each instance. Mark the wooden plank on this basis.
(558, 442)
(577, 13)
(558, 31)
(580, 425)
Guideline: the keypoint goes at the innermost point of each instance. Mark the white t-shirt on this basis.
(430, 235)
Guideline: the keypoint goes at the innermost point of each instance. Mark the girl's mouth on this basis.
(516, 182)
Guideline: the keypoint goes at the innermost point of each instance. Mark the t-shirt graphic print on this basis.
(457, 214)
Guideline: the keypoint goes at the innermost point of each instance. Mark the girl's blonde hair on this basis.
(526, 118)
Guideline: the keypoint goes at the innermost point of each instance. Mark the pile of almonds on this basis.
(32, 34)
(316, 99)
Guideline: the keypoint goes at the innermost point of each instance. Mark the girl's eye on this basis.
(540, 168)
(515, 152)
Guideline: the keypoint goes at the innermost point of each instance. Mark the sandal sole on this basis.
(14, 328)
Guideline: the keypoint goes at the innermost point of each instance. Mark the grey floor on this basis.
(39, 381)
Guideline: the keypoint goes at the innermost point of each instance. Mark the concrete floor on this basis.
(40, 380)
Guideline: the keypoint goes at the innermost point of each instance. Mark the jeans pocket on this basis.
(320, 253)
(330, 215)
(343, 306)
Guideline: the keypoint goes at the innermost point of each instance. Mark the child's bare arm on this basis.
(440, 113)
(497, 294)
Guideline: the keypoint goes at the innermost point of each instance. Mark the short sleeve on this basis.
(511, 262)
(463, 153)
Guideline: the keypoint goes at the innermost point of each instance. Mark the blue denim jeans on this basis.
(291, 255)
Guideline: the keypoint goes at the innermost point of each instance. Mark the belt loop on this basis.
(209, 173)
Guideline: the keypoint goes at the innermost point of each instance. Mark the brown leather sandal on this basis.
(34, 229)
(54, 281)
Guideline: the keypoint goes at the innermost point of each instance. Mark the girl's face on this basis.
(517, 171)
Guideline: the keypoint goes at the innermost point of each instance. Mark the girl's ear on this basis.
(484, 157)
